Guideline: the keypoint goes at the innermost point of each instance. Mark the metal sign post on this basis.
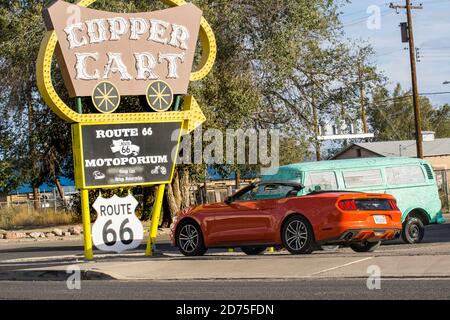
(156, 215)
(85, 211)
(86, 218)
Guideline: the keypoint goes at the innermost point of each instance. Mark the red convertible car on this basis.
(271, 214)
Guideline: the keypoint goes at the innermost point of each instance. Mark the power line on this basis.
(363, 19)
(408, 96)
(433, 93)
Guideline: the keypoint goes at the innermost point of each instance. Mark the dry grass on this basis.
(22, 217)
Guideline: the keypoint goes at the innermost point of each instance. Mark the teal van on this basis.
(411, 181)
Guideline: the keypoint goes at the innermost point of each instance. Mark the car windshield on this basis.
(266, 191)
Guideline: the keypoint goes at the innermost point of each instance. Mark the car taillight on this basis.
(347, 205)
(368, 205)
(393, 205)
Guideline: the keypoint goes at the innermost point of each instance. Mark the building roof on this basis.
(68, 185)
(348, 163)
(404, 148)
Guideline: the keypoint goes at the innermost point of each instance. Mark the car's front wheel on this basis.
(413, 230)
(190, 239)
(365, 246)
(298, 236)
(251, 251)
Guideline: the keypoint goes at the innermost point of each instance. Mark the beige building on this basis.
(435, 151)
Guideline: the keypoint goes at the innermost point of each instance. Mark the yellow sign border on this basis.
(54, 101)
(78, 156)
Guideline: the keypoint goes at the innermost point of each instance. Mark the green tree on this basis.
(391, 116)
(276, 59)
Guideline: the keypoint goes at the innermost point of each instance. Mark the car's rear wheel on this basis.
(251, 251)
(298, 236)
(413, 230)
(365, 246)
(190, 239)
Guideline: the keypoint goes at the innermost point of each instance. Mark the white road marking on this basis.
(340, 266)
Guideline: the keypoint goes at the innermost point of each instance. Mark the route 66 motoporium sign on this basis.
(117, 228)
(125, 154)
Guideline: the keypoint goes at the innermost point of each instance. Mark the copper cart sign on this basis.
(147, 54)
(125, 49)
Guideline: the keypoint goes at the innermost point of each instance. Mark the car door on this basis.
(245, 220)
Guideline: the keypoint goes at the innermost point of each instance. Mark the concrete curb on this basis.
(60, 275)
(50, 275)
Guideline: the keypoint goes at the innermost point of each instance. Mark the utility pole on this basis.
(412, 57)
(362, 97)
(315, 124)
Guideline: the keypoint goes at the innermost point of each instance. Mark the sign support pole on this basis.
(85, 213)
(86, 218)
(156, 214)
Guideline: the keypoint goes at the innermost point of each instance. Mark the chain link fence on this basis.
(56, 205)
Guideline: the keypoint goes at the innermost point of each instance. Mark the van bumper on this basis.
(439, 218)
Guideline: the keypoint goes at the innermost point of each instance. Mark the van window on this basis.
(271, 191)
(324, 180)
(405, 175)
(362, 178)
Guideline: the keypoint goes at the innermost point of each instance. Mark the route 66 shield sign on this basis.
(117, 228)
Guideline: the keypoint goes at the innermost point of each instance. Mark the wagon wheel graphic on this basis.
(106, 97)
(159, 96)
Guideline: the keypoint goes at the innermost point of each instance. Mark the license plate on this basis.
(380, 219)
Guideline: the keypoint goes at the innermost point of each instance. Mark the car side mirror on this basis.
(228, 200)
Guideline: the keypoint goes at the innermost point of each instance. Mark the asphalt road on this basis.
(436, 241)
(395, 289)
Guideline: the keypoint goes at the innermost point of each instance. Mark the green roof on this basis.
(350, 163)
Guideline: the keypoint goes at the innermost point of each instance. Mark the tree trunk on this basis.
(36, 198)
(171, 201)
(60, 191)
(31, 148)
(185, 188)
(205, 187)
(176, 191)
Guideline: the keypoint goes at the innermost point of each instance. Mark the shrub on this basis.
(22, 216)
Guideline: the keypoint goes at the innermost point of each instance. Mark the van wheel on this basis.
(251, 251)
(413, 230)
(365, 246)
(298, 236)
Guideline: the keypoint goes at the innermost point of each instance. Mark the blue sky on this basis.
(431, 34)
